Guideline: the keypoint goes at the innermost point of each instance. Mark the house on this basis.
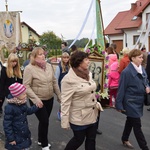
(29, 38)
(127, 26)
(28, 33)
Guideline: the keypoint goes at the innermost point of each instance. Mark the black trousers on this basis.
(134, 123)
(88, 134)
(98, 119)
(1, 104)
(43, 115)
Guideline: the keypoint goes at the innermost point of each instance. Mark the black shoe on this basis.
(98, 132)
(148, 109)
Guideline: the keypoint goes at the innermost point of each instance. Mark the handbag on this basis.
(147, 99)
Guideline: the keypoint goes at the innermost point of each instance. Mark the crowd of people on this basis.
(74, 82)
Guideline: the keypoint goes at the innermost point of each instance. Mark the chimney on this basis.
(133, 6)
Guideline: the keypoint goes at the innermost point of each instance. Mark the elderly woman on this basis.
(79, 107)
(133, 86)
(41, 85)
(124, 61)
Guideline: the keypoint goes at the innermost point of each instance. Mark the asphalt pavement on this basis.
(111, 124)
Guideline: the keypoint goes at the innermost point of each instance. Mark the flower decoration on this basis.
(96, 48)
(88, 51)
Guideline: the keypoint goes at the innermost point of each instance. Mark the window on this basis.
(147, 19)
(134, 18)
(135, 38)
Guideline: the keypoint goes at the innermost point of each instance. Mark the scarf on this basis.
(82, 73)
(138, 69)
(16, 101)
(41, 64)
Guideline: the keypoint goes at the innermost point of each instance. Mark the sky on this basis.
(64, 17)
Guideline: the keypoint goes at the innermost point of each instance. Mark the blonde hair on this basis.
(34, 54)
(125, 50)
(63, 65)
(13, 71)
(2, 59)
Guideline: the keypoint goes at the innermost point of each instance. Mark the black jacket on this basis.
(5, 82)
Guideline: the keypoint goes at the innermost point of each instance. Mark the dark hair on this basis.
(110, 50)
(73, 48)
(134, 53)
(107, 45)
(143, 48)
(100, 69)
(113, 45)
(77, 58)
(65, 43)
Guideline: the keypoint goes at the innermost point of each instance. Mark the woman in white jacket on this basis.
(79, 107)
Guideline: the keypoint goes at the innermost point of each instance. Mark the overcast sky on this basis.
(64, 16)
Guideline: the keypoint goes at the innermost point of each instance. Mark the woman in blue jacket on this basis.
(133, 86)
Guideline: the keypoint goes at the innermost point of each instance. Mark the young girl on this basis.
(61, 70)
(18, 136)
(9, 75)
(113, 81)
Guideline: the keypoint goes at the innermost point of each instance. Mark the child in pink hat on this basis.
(18, 136)
(113, 82)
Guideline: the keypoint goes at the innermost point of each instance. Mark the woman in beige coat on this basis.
(79, 107)
(41, 85)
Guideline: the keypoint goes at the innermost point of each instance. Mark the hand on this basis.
(39, 104)
(147, 90)
(67, 128)
(58, 99)
(13, 143)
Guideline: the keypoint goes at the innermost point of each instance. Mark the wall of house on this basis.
(128, 36)
(146, 41)
(25, 34)
(28, 34)
(137, 32)
(115, 37)
(130, 33)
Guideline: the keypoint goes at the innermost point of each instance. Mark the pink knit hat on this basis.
(17, 89)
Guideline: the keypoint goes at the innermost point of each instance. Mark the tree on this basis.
(50, 40)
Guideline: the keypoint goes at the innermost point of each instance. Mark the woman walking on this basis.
(79, 107)
(41, 85)
(133, 86)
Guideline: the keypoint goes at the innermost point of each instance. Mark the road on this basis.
(111, 124)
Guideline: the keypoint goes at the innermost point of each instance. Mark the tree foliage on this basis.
(50, 40)
(80, 43)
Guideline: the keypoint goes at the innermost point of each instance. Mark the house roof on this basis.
(23, 23)
(127, 19)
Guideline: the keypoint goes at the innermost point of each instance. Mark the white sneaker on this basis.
(46, 148)
(40, 144)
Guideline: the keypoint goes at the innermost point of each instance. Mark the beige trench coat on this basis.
(40, 84)
(78, 101)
